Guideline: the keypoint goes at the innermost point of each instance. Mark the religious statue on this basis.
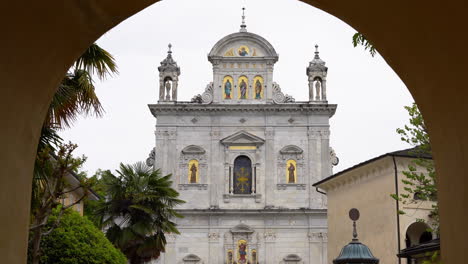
(227, 89)
(254, 257)
(243, 89)
(258, 89)
(242, 253)
(168, 89)
(243, 52)
(193, 173)
(291, 171)
(317, 89)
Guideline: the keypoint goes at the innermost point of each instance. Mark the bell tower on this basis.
(317, 73)
(168, 78)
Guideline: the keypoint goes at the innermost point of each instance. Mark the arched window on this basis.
(242, 175)
(417, 233)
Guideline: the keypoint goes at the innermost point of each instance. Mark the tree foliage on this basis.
(76, 95)
(50, 187)
(77, 241)
(420, 186)
(138, 211)
(359, 39)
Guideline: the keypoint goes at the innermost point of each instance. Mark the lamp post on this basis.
(355, 252)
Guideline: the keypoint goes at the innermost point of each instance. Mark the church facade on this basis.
(244, 156)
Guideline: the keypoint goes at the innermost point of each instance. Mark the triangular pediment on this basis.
(242, 138)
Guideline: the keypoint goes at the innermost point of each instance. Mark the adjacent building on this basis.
(367, 186)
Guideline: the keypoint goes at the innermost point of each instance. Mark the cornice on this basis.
(177, 107)
(253, 211)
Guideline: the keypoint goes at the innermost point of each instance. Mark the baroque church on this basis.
(244, 156)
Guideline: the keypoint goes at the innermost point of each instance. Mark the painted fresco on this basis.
(258, 87)
(291, 171)
(243, 84)
(243, 51)
(242, 252)
(193, 171)
(228, 84)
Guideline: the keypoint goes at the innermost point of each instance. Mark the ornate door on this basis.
(242, 175)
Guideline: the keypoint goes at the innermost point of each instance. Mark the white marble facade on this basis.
(273, 214)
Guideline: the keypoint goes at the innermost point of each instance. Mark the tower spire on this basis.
(243, 25)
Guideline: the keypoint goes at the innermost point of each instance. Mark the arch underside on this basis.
(406, 33)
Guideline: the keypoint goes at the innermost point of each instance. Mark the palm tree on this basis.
(75, 96)
(139, 211)
(76, 93)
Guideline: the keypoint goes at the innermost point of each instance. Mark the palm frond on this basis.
(96, 60)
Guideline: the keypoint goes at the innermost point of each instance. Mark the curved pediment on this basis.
(191, 258)
(242, 138)
(242, 229)
(243, 45)
(292, 258)
(291, 149)
(194, 150)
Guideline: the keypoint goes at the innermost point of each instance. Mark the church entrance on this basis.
(242, 175)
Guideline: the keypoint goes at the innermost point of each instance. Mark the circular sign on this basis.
(354, 214)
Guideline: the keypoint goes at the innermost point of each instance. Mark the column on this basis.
(311, 89)
(325, 152)
(313, 160)
(216, 177)
(269, 175)
(161, 90)
(324, 89)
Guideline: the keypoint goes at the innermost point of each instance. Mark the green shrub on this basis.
(77, 241)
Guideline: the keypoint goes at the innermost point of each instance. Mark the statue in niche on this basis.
(230, 259)
(243, 89)
(258, 89)
(227, 89)
(291, 170)
(242, 252)
(254, 257)
(193, 173)
(318, 85)
(168, 89)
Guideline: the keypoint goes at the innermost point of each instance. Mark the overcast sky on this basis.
(370, 96)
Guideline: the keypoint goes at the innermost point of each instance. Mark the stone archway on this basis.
(38, 47)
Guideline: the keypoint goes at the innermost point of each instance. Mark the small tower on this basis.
(168, 78)
(317, 73)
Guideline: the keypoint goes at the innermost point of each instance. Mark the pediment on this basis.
(292, 258)
(242, 138)
(242, 229)
(291, 149)
(191, 258)
(193, 150)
